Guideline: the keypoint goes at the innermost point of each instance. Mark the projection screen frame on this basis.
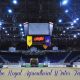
(39, 34)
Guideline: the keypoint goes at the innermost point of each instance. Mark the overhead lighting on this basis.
(72, 24)
(20, 25)
(23, 35)
(0, 23)
(22, 32)
(61, 34)
(78, 33)
(60, 20)
(64, 31)
(75, 36)
(8, 34)
(3, 28)
(66, 11)
(21, 29)
(67, 28)
(5, 31)
(64, 2)
(15, 2)
(74, 21)
(77, 19)
(9, 10)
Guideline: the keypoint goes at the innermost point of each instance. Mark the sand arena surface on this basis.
(40, 74)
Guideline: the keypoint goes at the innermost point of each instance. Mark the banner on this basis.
(45, 46)
(48, 40)
(29, 41)
(40, 74)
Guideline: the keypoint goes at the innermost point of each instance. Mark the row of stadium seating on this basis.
(50, 57)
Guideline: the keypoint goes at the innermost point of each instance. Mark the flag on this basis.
(45, 46)
(48, 40)
(29, 41)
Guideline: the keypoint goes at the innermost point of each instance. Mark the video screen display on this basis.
(39, 29)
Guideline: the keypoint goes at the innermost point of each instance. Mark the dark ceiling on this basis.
(39, 10)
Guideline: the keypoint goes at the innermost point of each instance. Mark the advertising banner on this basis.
(29, 41)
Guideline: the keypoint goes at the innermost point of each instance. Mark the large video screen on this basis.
(39, 29)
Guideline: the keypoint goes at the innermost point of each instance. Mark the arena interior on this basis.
(39, 35)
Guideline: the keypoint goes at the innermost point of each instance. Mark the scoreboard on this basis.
(38, 33)
(38, 40)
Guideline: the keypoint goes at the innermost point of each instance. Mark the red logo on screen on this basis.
(38, 38)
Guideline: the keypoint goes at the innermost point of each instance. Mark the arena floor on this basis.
(40, 74)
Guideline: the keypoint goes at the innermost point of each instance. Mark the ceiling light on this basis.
(9, 10)
(64, 2)
(66, 11)
(15, 2)
(60, 20)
